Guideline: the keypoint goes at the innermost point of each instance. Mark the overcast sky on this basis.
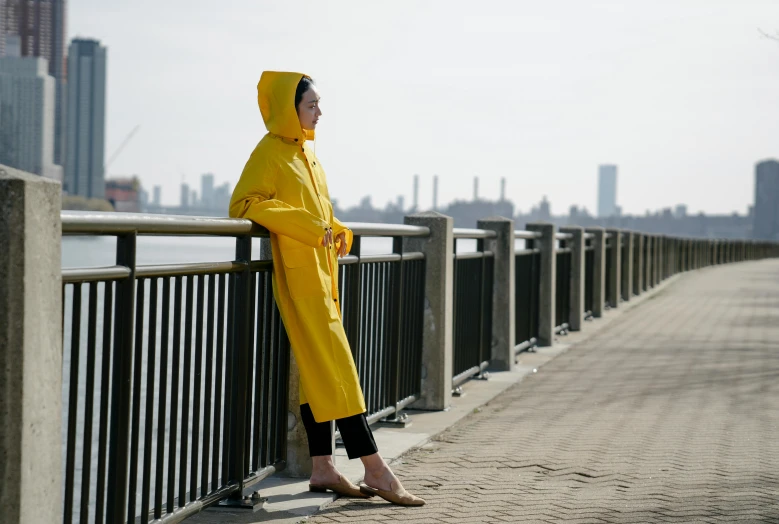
(682, 95)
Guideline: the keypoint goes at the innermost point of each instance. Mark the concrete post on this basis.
(437, 352)
(627, 275)
(547, 245)
(30, 348)
(599, 271)
(503, 291)
(615, 277)
(576, 314)
(638, 267)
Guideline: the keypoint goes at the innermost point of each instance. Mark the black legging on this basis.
(355, 432)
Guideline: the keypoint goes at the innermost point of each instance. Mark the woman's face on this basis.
(308, 110)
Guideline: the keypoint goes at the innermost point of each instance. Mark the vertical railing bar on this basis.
(174, 395)
(121, 381)
(250, 349)
(70, 458)
(396, 329)
(150, 388)
(272, 335)
(86, 461)
(262, 347)
(162, 393)
(221, 285)
(136, 398)
(284, 385)
(194, 474)
(383, 346)
(185, 393)
(228, 378)
(238, 369)
(208, 408)
(273, 379)
(105, 379)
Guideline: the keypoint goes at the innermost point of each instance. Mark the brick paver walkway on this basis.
(669, 414)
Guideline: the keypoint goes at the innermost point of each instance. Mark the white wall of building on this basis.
(27, 115)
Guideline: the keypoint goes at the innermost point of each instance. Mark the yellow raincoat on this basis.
(283, 188)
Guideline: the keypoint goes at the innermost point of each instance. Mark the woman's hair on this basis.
(304, 85)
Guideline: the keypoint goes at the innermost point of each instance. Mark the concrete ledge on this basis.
(289, 500)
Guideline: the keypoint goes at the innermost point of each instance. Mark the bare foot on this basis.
(324, 472)
(381, 479)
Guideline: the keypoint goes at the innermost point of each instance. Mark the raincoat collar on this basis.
(276, 98)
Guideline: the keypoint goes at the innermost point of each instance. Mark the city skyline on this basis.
(697, 108)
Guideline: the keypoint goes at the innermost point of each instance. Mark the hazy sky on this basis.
(682, 95)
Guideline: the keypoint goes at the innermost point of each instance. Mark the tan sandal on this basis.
(397, 495)
(343, 487)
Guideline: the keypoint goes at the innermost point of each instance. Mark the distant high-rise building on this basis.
(435, 193)
(40, 28)
(207, 191)
(416, 193)
(84, 163)
(765, 225)
(680, 211)
(157, 199)
(184, 196)
(607, 191)
(27, 94)
(544, 209)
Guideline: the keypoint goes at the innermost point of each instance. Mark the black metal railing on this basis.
(382, 301)
(527, 266)
(177, 381)
(472, 297)
(176, 375)
(563, 283)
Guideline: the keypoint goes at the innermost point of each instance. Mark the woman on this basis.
(283, 188)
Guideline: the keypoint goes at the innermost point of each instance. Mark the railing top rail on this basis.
(589, 236)
(563, 236)
(113, 223)
(461, 232)
(526, 235)
(369, 229)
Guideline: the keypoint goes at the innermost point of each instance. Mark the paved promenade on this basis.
(668, 414)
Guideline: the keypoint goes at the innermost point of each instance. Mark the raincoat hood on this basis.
(276, 97)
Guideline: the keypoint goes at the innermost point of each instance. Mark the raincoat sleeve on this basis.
(340, 227)
(253, 199)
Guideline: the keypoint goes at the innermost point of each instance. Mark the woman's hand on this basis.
(340, 241)
(328, 240)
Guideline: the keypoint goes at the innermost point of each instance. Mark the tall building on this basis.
(40, 27)
(207, 191)
(157, 199)
(184, 196)
(607, 191)
(765, 225)
(27, 94)
(84, 173)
